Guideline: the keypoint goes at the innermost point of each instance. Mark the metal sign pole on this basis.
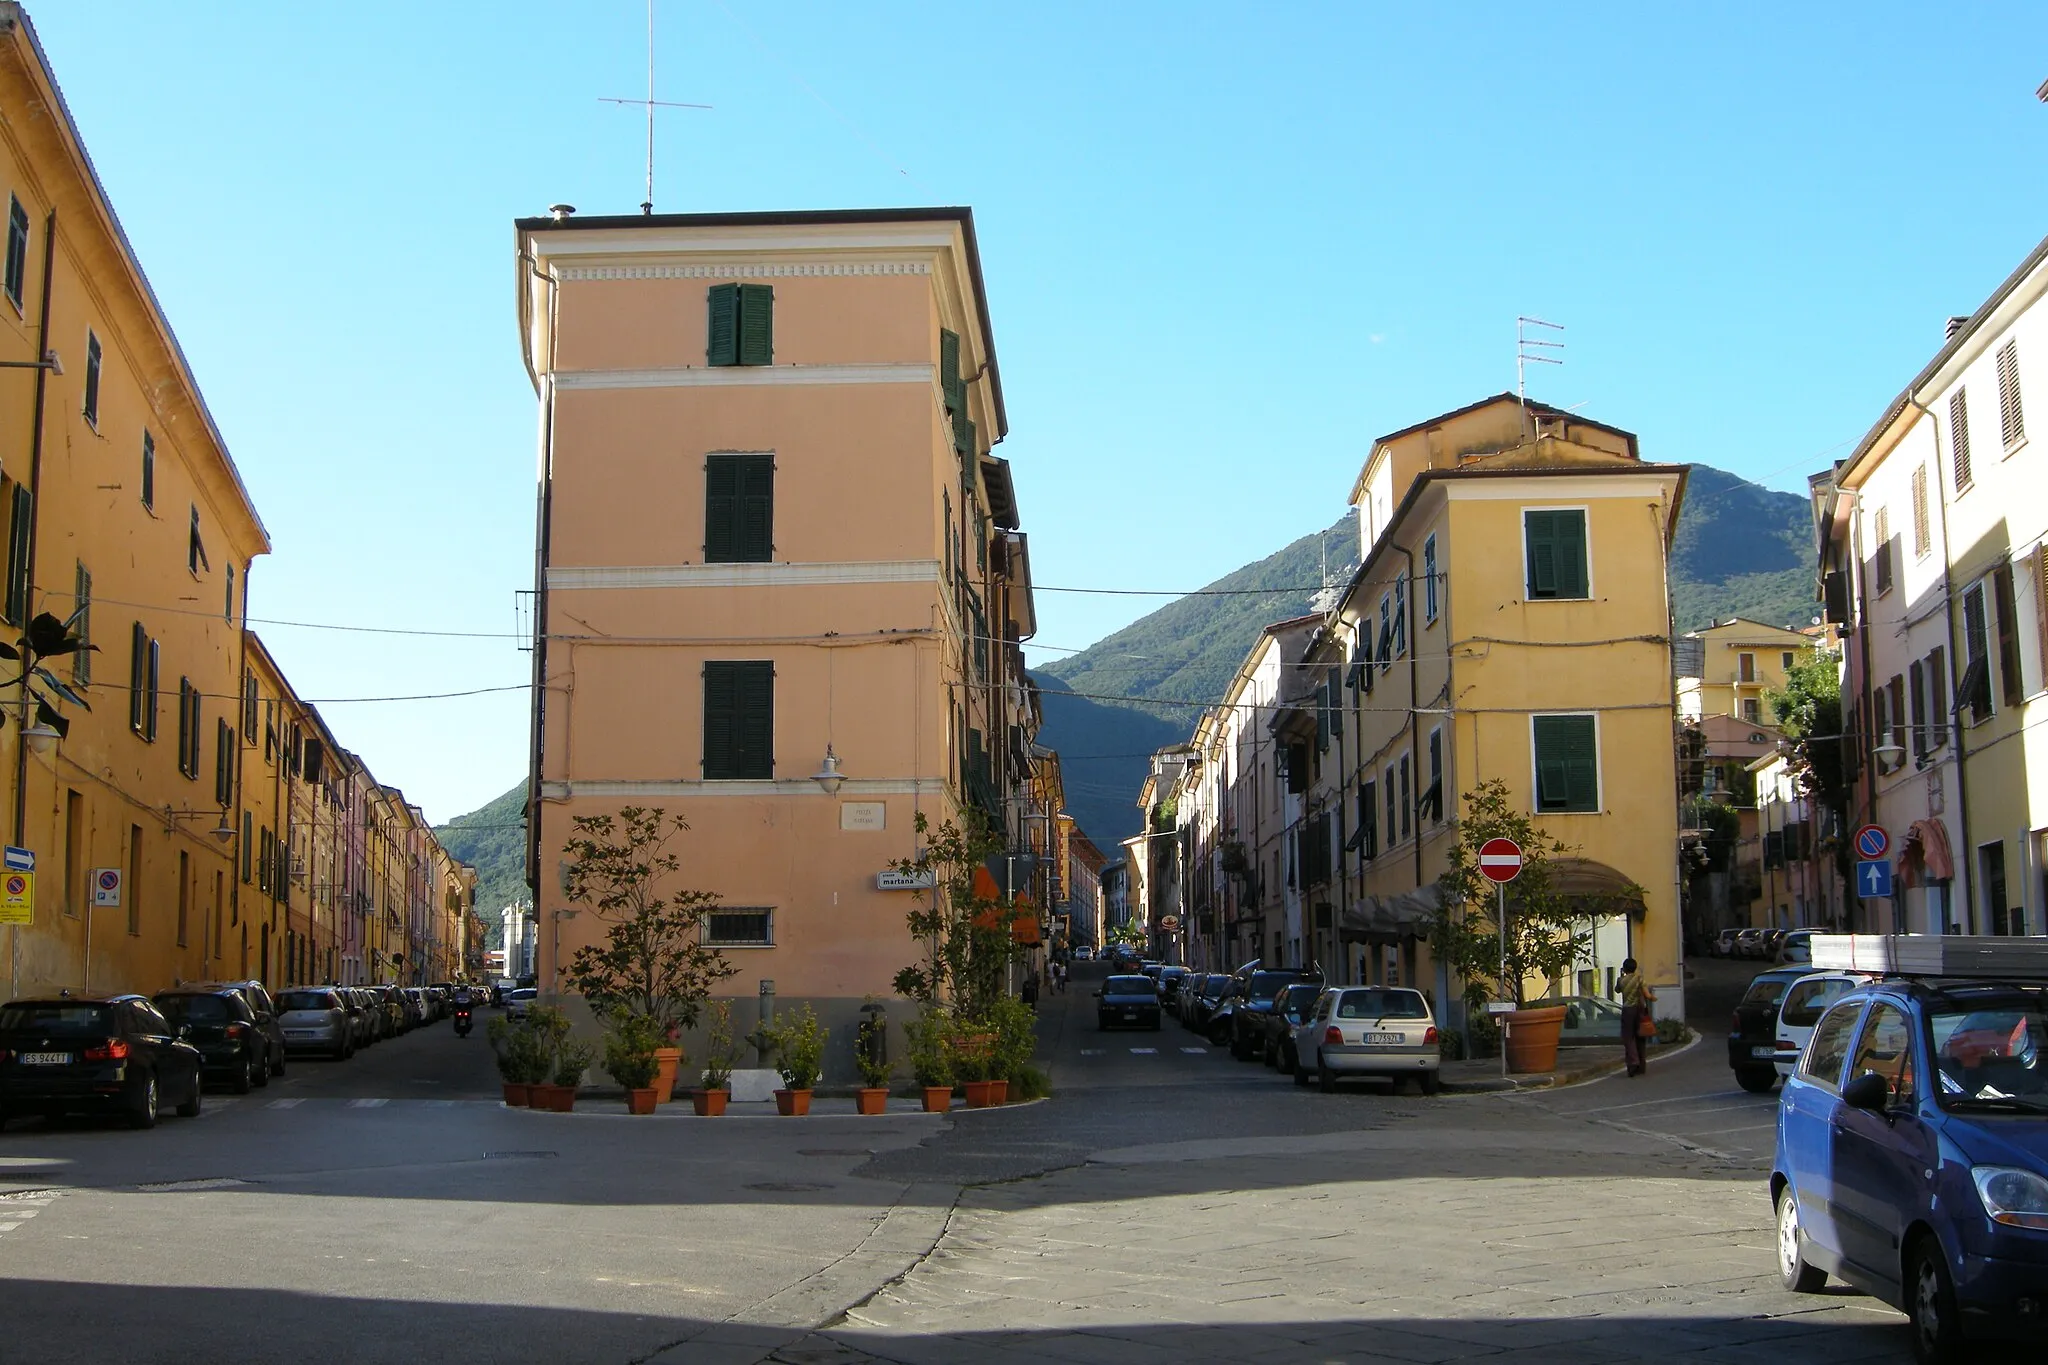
(1500, 915)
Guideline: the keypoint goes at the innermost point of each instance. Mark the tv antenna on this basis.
(1532, 349)
(651, 104)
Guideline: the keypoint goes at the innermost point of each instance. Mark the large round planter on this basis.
(980, 1094)
(642, 1101)
(938, 1099)
(709, 1104)
(871, 1100)
(792, 1104)
(1000, 1093)
(516, 1094)
(666, 1060)
(1532, 1039)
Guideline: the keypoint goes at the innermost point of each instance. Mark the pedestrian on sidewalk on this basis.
(1059, 977)
(1030, 991)
(1636, 998)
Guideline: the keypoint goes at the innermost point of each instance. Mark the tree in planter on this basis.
(719, 1052)
(653, 961)
(931, 1061)
(1547, 932)
(967, 938)
(629, 1044)
(799, 1044)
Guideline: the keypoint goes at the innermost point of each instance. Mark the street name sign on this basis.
(906, 881)
(1500, 860)
(1872, 843)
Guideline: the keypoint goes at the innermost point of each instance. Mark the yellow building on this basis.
(1509, 621)
(1725, 669)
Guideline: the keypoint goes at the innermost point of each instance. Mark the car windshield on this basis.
(1994, 1052)
(1266, 985)
(1808, 1000)
(75, 1021)
(527, 994)
(1767, 991)
(1213, 987)
(1382, 1005)
(1297, 998)
(195, 1009)
(307, 1000)
(1129, 985)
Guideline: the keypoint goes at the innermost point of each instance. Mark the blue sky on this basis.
(1225, 247)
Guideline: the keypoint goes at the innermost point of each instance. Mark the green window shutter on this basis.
(1557, 554)
(757, 509)
(138, 675)
(1322, 719)
(17, 557)
(757, 324)
(739, 509)
(949, 372)
(722, 338)
(1567, 764)
(739, 719)
(248, 846)
(1542, 554)
(1334, 689)
(721, 508)
(718, 720)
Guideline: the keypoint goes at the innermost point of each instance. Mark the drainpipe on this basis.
(543, 525)
(1867, 723)
(1948, 654)
(35, 514)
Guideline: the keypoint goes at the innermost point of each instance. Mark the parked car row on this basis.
(1765, 945)
(1285, 1017)
(128, 1055)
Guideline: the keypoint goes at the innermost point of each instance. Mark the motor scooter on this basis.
(462, 1021)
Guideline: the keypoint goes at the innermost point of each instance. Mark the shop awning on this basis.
(1925, 855)
(1604, 892)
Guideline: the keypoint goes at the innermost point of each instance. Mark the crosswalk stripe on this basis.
(1144, 1051)
(367, 1104)
(284, 1104)
(1197, 1051)
(1091, 1052)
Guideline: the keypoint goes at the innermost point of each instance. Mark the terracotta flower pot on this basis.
(792, 1103)
(709, 1104)
(980, 1094)
(872, 1100)
(666, 1060)
(1001, 1093)
(642, 1101)
(516, 1094)
(1532, 1039)
(938, 1099)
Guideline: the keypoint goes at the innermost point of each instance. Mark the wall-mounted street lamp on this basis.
(222, 831)
(828, 775)
(40, 738)
(49, 362)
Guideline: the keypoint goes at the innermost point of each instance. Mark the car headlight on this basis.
(2015, 1197)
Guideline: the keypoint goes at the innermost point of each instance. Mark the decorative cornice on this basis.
(571, 577)
(782, 786)
(740, 270)
(721, 376)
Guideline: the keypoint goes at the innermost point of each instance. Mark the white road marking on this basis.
(367, 1104)
(1196, 1051)
(8, 1227)
(1091, 1052)
(1144, 1051)
(1675, 1099)
(216, 1107)
(284, 1104)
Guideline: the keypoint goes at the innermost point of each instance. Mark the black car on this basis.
(102, 1055)
(1128, 1002)
(1252, 1000)
(1276, 1027)
(221, 1025)
(1199, 996)
(1753, 1033)
(262, 1009)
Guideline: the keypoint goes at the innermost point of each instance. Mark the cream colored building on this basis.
(1727, 668)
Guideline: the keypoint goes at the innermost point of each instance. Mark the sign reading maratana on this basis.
(906, 881)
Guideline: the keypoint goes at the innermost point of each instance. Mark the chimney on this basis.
(561, 211)
(1948, 333)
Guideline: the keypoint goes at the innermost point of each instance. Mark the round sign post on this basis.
(1500, 862)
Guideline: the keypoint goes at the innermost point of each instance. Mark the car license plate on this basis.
(299, 1033)
(1130, 1014)
(1383, 1040)
(1765, 1052)
(46, 1059)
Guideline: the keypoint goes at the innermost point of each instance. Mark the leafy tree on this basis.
(967, 938)
(1809, 711)
(1126, 933)
(653, 961)
(1547, 932)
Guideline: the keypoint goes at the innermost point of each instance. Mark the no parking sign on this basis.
(18, 898)
(106, 888)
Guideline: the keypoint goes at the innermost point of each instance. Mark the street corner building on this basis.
(159, 782)
(780, 581)
(1510, 620)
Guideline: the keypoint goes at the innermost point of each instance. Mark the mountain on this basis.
(492, 839)
(1741, 550)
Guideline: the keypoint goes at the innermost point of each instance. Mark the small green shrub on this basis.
(1029, 1083)
(1013, 1026)
(629, 1046)
(1672, 1031)
(799, 1049)
(572, 1059)
(719, 1051)
(871, 1052)
(931, 1061)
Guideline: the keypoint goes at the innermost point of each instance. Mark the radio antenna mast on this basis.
(651, 104)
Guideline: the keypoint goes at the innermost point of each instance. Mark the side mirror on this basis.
(184, 1030)
(1867, 1091)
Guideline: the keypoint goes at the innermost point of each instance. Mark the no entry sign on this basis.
(1500, 860)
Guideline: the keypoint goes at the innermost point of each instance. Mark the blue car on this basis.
(1912, 1159)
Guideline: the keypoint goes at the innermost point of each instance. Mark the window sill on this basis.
(2015, 448)
(1532, 600)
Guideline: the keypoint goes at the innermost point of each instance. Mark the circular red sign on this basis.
(1500, 860)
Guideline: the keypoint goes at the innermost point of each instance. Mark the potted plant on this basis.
(546, 1029)
(653, 960)
(871, 1055)
(930, 1063)
(719, 1056)
(972, 1052)
(1014, 1027)
(799, 1057)
(512, 1047)
(630, 1047)
(572, 1059)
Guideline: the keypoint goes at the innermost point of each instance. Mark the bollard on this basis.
(765, 1022)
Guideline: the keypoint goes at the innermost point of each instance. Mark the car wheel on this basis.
(263, 1071)
(142, 1110)
(1431, 1082)
(1793, 1271)
(1300, 1072)
(1756, 1080)
(1219, 1037)
(1285, 1058)
(1326, 1079)
(245, 1078)
(277, 1063)
(190, 1108)
(1931, 1306)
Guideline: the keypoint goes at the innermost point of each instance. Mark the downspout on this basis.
(35, 514)
(1414, 700)
(1948, 654)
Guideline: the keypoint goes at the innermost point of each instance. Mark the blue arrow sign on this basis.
(20, 859)
(1873, 879)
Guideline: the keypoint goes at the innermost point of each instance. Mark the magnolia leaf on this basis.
(60, 689)
(49, 715)
(8, 651)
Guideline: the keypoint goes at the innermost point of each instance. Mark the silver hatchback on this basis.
(314, 1019)
(1368, 1032)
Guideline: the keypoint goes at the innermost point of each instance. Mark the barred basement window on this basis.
(739, 929)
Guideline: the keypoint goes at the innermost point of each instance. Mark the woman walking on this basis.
(1636, 998)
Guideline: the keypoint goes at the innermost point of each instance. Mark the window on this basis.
(195, 548)
(1393, 807)
(1567, 764)
(1881, 724)
(1752, 710)
(740, 929)
(1895, 690)
(1407, 803)
(223, 764)
(155, 671)
(17, 250)
(1959, 438)
(1829, 1046)
(739, 720)
(1433, 794)
(92, 378)
(1556, 546)
(250, 719)
(1429, 579)
(138, 676)
(1974, 691)
(741, 329)
(1386, 650)
(1881, 561)
(1999, 916)
(1886, 1049)
(1916, 694)
(1745, 668)
(1785, 661)
(739, 509)
(1923, 530)
(228, 610)
(20, 518)
(81, 621)
(2012, 426)
(1368, 821)
(1400, 617)
(2010, 683)
(188, 728)
(1333, 686)
(248, 846)
(1937, 698)
(148, 470)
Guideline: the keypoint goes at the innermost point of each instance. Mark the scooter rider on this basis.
(461, 1007)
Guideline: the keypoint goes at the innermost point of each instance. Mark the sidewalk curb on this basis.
(1555, 1080)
